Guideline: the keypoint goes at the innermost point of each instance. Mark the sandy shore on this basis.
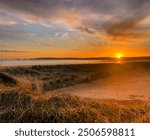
(120, 87)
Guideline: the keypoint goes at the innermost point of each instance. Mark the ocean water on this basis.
(49, 62)
(60, 62)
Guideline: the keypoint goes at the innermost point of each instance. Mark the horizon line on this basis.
(111, 57)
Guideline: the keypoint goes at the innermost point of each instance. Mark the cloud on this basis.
(35, 10)
(62, 35)
(4, 21)
(14, 51)
(125, 28)
(119, 19)
(87, 30)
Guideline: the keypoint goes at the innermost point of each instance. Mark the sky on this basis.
(74, 28)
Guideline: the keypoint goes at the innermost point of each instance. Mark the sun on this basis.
(119, 55)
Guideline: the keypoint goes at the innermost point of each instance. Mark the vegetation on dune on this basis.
(23, 96)
(7, 80)
(22, 104)
(54, 77)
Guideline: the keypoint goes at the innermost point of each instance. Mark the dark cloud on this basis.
(39, 8)
(87, 30)
(14, 51)
(120, 17)
(46, 8)
(125, 28)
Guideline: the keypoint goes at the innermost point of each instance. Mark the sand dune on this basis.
(76, 93)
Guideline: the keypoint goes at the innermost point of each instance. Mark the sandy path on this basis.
(121, 86)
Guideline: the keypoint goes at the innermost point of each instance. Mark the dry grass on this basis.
(24, 99)
(25, 104)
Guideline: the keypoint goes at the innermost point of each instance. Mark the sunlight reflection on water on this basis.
(49, 62)
(57, 62)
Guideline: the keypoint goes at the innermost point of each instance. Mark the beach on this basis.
(130, 84)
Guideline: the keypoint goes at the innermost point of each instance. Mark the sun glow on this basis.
(119, 55)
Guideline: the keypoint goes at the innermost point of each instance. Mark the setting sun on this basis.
(119, 55)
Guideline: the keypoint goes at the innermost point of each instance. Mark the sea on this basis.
(29, 62)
